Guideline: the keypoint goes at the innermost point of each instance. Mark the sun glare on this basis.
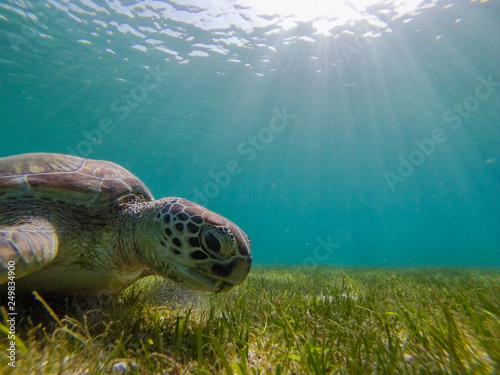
(326, 14)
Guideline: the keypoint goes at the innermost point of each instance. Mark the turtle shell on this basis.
(68, 178)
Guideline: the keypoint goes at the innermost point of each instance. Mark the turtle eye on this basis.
(211, 241)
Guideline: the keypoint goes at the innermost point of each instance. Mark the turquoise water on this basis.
(360, 134)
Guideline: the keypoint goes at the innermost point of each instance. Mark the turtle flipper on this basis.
(28, 248)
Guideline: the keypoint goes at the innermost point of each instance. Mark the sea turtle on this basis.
(75, 225)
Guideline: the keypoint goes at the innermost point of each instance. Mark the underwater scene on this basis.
(338, 164)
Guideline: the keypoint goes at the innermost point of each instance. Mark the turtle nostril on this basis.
(199, 255)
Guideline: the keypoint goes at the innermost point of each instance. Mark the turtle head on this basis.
(199, 248)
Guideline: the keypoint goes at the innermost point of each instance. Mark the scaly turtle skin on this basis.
(75, 225)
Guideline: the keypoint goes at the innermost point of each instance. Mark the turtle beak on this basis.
(211, 276)
(224, 287)
(193, 279)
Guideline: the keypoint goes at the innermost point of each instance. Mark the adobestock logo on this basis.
(122, 107)
(482, 92)
(249, 148)
(426, 147)
(359, 42)
(325, 249)
(34, 23)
